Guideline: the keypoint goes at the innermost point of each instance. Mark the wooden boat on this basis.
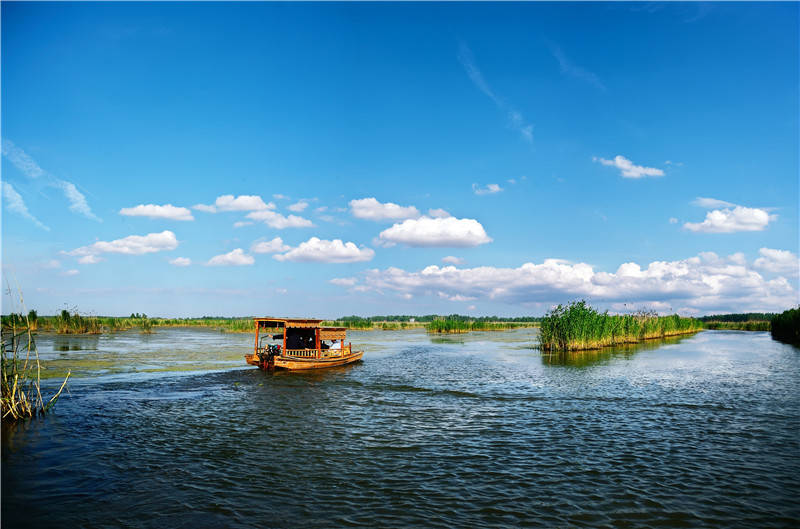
(301, 344)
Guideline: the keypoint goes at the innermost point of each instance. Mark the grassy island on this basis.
(577, 326)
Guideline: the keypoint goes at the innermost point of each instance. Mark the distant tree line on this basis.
(746, 316)
(431, 317)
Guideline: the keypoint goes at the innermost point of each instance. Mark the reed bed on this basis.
(452, 326)
(786, 326)
(21, 373)
(737, 325)
(577, 327)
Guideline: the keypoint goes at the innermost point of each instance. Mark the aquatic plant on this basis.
(755, 325)
(577, 326)
(21, 372)
(453, 326)
(786, 326)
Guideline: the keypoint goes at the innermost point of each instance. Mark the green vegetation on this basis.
(451, 326)
(577, 326)
(743, 317)
(753, 325)
(21, 370)
(786, 326)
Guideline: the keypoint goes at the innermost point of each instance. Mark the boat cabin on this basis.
(299, 337)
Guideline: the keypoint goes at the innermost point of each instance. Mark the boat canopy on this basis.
(272, 323)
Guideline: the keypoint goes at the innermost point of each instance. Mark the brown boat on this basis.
(295, 344)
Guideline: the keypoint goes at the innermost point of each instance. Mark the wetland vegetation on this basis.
(786, 326)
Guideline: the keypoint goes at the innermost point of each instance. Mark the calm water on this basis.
(473, 431)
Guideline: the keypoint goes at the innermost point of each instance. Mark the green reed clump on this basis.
(577, 326)
(455, 326)
(738, 325)
(20, 390)
(786, 326)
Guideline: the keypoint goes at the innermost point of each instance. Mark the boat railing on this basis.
(318, 353)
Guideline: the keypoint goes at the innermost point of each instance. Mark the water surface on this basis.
(477, 430)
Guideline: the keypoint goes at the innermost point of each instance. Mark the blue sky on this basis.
(411, 158)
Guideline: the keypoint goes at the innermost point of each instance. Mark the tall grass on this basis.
(786, 326)
(577, 326)
(20, 390)
(737, 325)
(453, 326)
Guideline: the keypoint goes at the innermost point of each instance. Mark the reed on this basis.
(457, 326)
(786, 326)
(737, 325)
(20, 391)
(577, 327)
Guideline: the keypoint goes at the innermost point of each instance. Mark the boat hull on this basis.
(298, 364)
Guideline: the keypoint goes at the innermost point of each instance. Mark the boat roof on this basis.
(293, 322)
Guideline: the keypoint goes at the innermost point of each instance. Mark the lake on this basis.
(479, 430)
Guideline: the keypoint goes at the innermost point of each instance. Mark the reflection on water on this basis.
(75, 343)
(606, 354)
(174, 430)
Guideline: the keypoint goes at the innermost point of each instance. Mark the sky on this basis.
(323, 160)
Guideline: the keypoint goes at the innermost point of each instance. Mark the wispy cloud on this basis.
(15, 203)
(31, 169)
(569, 68)
(490, 189)
(628, 169)
(515, 118)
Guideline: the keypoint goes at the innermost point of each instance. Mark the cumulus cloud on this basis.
(628, 169)
(703, 283)
(451, 259)
(153, 211)
(235, 257)
(344, 281)
(231, 203)
(778, 262)
(279, 221)
(515, 118)
(15, 203)
(371, 209)
(298, 207)
(130, 245)
(442, 232)
(323, 251)
(29, 167)
(274, 246)
(90, 259)
(488, 190)
(731, 220)
(180, 261)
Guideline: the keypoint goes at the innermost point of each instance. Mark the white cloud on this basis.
(69, 273)
(131, 245)
(180, 261)
(51, 264)
(298, 207)
(451, 259)
(705, 283)
(235, 257)
(231, 203)
(321, 209)
(90, 259)
(29, 167)
(628, 169)
(279, 221)
(21, 160)
(371, 209)
(673, 220)
(729, 220)
(153, 211)
(278, 196)
(344, 281)
(778, 262)
(712, 203)
(242, 223)
(488, 190)
(77, 202)
(323, 251)
(425, 231)
(274, 246)
(15, 203)
(516, 121)
(438, 213)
